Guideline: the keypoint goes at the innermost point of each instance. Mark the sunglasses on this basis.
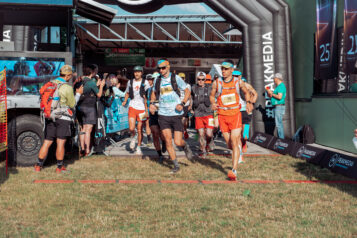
(161, 68)
(201, 79)
(223, 68)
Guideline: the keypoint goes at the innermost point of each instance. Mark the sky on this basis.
(178, 9)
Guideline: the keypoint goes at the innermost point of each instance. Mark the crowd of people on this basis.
(160, 103)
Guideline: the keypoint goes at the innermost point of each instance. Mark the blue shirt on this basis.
(168, 97)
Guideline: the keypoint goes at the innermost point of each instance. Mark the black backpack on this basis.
(173, 84)
(142, 89)
(196, 96)
(308, 135)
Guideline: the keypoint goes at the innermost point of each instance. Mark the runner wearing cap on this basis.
(167, 90)
(227, 90)
(60, 128)
(187, 107)
(138, 111)
(203, 113)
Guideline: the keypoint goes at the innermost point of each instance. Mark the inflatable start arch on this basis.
(267, 47)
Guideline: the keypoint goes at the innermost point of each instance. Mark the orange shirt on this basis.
(228, 99)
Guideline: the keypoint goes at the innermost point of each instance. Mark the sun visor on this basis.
(95, 11)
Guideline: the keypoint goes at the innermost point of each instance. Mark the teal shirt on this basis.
(280, 89)
(90, 86)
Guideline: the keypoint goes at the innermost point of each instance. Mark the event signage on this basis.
(309, 153)
(350, 32)
(261, 139)
(151, 62)
(117, 117)
(282, 146)
(124, 56)
(325, 55)
(340, 163)
(342, 76)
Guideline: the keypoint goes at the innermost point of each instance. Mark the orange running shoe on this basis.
(232, 176)
(61, 170)
(37, 168)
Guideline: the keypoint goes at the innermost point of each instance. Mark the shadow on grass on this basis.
(315, 172)
(214, 164)
(11, 170)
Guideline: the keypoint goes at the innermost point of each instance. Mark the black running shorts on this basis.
(60, 129)
(171, 122)
(246, 119)
(154, 119)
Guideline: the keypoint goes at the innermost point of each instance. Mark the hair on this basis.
(89, 69)
(77, 85)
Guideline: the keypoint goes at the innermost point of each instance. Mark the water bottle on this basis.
(354, 140)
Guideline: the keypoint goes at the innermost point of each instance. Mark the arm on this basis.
(246, 92)
(152, 108)
(212, 96)
(126, 95)
(254, 94)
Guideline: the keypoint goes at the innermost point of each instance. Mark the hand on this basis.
(105, 75)
(102, 83)
(146, 114)
(249, 108)
(189, 108)
(214, 106)
(270, 93)
(152, 109)
(80, 90)
(179, 107)
(123, 104)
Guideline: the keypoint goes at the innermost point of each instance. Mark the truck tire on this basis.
(25, 140)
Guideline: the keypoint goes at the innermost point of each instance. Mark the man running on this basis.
(138, 112)
(167, 90)
(203, 113)
(227, 90)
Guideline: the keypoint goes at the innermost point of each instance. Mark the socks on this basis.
(159, 152)
(40, 162)
(59, 163)
(176, 163)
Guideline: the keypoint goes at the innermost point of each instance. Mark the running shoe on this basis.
(175, 170)
(61, 170)
(188, 152)
(232, 175)
(161, 159)
(185, 135)
(138, 151)
(245, 147)
(132, 143)
(37, 168)
(163, 147)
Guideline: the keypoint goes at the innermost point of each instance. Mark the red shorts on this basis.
(204, 122)
(137, 114)
(229, 123)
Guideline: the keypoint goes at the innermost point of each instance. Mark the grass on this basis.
(177, 210)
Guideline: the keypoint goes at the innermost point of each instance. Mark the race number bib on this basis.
(229, 99)
(166, 90)
(142, 116)
(211, 122)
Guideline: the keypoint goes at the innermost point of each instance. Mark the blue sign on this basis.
(117, 116)
(40, 2)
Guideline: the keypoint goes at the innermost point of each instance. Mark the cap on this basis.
(149, 77)
(279, 76)
(236, 73)
(208, 76)
(155, 75)
(200, 74)
(244, 79)
(66, 69)
(138, 68)
(182, 75)
(227, 64)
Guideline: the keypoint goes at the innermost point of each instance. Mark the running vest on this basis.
(173, 84)
(242, 101)
(199, 98)
(228, 99)
(142, 89)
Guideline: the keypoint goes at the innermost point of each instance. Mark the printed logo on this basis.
(259, 138)
(280, 145)
(304, 152)
(337, 160)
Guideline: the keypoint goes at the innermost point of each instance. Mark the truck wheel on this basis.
(25, 140)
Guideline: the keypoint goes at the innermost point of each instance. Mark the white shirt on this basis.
(137, 102)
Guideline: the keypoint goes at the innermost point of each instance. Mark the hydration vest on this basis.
(199, 98)
(142, 89)
(173, 84)
(228, 98)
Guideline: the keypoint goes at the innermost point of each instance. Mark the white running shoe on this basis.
(241, 160)
(138, 151)
(132, 143)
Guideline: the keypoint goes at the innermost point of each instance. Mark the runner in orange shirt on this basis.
(226, 90)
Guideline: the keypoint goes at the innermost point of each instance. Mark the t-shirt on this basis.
(118, 92)
(90, 86)
(137, 102)
(279, 89)
(168, 97)
(182, 97)
(202, 110)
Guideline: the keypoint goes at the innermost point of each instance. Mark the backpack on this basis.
(142, 89)
(173, 84)
(50, 99)
(196, 96)
(308, 135)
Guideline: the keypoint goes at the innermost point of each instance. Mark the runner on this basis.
(203, 113)
(138, 112)
(154, 122)
(187, 107)
(227, 91)
(167, 90)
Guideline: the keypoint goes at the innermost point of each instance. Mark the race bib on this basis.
(166, 90)
(211, 122)
(229, 99)
(142, 116)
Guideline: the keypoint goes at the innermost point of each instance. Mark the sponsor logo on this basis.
(304, 152)
(280, 145)
(339, 161)
(259, 138)
(268, 63)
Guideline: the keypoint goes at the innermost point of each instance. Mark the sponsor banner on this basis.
(151, 62)
(309, 153)
(325, 56)
(261, 139)
(282, 146)
(339, 163)
(117, 117)
(350, 34)
(342, 86)
(124, 56)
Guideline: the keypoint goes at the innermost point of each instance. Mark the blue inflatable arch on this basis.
(267, 47)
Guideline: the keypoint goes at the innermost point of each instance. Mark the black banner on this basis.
(325, 56)
(261, 139)
(342, 85)
(282, 146)
(350, 31)
(339, 163)
(309, 153)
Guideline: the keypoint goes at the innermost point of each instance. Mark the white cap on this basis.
(279, 76)
(200, 73)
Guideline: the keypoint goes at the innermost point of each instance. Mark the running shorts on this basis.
(229, 123)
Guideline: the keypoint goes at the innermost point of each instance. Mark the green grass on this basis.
(177, 210)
